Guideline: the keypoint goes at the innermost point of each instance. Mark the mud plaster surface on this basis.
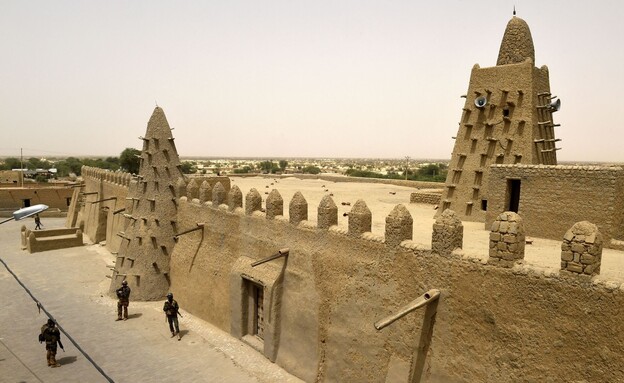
(541, 254)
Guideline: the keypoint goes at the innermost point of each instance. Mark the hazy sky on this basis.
(335, 78)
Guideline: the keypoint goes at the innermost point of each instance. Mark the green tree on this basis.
(283, 164)
(129, 161)
(11, 163)
(187, 167)
(268, 166)
(311, 170)
(69, 165)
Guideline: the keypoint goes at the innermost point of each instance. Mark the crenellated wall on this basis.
(101, 220)
(319, 303)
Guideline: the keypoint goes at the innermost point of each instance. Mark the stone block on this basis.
(565, 246)
(578, 248)
(575, 267)
(567, 256)
(587, 259)
(495, 236)
(510, 239)
(504, 227)
(495, 226)
(494, 254)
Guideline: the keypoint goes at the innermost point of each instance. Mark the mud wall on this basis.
(553, 198)
(102, 220)
(492, 324)
(55, 197)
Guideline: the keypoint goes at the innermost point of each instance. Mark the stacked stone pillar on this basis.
(507, 240)
(399, 226)
(298, 209)
(327, 213)
(581, 249)
(274, 205)
(448, 233)
(218, 195)
(253, 201)
(234, 198)
(360, 219)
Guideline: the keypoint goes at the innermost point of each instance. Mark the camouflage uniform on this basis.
(123, 293)
(171, 309)
(52, 337)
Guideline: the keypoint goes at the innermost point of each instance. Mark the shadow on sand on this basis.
(66, 360)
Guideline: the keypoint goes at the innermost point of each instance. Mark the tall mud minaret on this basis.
(507, 119)
(151, 210)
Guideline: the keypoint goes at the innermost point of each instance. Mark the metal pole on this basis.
(22, 166)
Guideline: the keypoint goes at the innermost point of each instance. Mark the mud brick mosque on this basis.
(306, 294)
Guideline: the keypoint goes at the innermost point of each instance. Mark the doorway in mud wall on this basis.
(255, 309)
(26, 202)
(513, 195)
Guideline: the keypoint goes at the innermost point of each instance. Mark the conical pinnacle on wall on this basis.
(143, 258)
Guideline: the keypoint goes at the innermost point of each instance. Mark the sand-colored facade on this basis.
(507, 119)
(312, 307)
(56, 197)
(552, 198)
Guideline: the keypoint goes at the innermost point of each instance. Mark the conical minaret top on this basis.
(517, 44)
(158, 127)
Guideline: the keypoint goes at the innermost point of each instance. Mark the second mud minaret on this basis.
(151, 213)
(507, 119)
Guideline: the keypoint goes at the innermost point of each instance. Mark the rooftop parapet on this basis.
(274, 204)
(253, 201)
(298, 209)
(399, 226)
(218, 195)
(360, 219)
(581, 249)
(234, 198)
(448, 233)
(192, 190)
(327, 213)
(507, 240)
(205, 192)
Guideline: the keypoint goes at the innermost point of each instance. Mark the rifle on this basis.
(61, 345)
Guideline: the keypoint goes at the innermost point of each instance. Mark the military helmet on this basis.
(50, 322)
(170, 295)
(124, 282)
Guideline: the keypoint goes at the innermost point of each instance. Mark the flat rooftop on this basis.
(544, 254)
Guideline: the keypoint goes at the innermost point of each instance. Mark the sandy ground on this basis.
(382, 198)
(72, 285)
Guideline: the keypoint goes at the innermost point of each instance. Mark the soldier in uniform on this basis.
(123, 294)
(171, 309)
(52, 336)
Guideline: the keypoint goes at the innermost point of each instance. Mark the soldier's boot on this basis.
(118, 318)
(54, 362)
(173, 334)
(179, 337)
